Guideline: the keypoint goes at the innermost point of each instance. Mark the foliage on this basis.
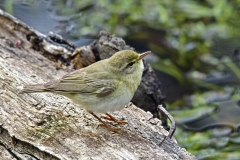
(188, 27)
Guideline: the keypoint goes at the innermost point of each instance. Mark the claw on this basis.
(115, 130)
(111, 118)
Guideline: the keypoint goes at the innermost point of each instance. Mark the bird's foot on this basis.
(115, 130)
(111, 118)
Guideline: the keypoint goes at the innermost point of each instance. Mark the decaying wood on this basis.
(48, 126)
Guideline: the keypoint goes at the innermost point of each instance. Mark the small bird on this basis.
(104, 86)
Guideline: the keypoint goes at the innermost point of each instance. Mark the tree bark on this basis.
(48, 126)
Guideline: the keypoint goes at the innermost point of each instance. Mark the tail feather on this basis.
(33, 88)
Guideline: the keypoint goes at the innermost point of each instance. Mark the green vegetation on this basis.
(179, 32)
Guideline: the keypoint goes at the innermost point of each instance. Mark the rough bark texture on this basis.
(48, 126)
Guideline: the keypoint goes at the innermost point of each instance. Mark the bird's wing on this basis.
(99, 83)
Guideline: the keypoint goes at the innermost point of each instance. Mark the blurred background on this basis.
(196, 53)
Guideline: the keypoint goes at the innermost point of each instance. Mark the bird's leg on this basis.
(111, 118)
(105, 124)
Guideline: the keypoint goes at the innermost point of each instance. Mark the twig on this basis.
(173, 127)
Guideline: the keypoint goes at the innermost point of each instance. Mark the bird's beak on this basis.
(143, 55)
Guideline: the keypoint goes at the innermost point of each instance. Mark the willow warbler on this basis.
(104, 86)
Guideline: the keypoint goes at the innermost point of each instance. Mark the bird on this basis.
(104, 86)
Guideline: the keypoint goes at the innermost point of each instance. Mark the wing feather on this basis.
(99, 83)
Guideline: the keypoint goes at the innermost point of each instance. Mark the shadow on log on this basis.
(48, 126)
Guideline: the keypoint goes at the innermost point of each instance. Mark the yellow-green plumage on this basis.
(104, 86)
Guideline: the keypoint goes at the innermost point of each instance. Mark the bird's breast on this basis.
(112, 102)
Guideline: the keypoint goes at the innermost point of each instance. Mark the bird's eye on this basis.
(130, 64)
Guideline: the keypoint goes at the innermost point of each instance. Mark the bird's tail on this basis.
(33, 88)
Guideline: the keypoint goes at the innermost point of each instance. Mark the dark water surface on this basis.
(41, 16)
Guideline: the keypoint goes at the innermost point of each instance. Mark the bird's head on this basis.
(127, 62)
